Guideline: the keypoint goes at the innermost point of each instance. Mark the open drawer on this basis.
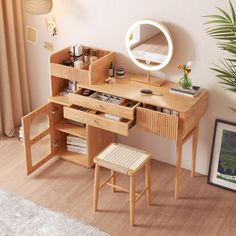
(105, 103)
(157, 122)
(97, 119)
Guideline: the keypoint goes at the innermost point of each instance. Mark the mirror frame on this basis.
(165, 32)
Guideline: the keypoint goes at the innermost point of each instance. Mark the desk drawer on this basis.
(124, 108)
(97, 119)
(157, 122)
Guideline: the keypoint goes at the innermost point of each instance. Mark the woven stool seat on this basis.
(122, 158)
(126, 160)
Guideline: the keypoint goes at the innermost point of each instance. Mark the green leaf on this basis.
(225, 14)
(217, 17)
(215, 22)
(232, 12)
(233, 109)
(222, 27)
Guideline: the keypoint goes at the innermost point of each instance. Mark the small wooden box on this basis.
(159, 123)
(91, 73)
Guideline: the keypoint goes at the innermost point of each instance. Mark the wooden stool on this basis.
(126, 160)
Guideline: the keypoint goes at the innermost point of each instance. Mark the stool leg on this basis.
(132, 199)
(96, 187)
(148, 181)
(113, 180)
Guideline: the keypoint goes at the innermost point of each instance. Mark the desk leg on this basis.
(179, 147)
(194, 149)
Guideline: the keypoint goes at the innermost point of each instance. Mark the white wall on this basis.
(104, 24)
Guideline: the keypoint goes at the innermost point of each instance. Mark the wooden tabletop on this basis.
(129, 89)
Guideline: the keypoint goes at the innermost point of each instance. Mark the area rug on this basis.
(20, 217)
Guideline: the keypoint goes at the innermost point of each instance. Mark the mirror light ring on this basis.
(165, 32)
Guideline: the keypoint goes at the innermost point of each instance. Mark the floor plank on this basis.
(65, 187)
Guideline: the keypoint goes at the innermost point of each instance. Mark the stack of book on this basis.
(76, 144)
(193, 92)
(21, 134)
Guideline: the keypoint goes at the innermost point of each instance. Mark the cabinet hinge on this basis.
(54, 110)
(55, 145)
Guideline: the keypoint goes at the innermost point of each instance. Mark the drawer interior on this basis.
(85, 92)
(105, 97)
(102, 114)
(160, 109)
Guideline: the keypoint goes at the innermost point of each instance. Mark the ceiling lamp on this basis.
(38, 7)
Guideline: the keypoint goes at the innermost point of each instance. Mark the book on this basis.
(76, 141)
(77, 149)
(193, 92)
(73, 137)
(79, 144)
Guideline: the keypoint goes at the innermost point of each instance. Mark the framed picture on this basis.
(31, 34)
(222, 169)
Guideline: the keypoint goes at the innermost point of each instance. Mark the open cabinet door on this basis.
(38, 137)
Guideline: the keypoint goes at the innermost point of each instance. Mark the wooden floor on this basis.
(65, 187)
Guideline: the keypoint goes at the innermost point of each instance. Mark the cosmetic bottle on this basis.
(111, 72)
(86, 55)
(78, 64)
(120, 73)
(94, 55)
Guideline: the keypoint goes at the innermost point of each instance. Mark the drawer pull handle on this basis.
(95, 121)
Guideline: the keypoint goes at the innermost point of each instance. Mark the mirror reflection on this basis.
(149, 44)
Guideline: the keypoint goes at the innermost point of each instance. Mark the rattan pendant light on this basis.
(38, 7)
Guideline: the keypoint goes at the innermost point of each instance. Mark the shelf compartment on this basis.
(97, 71)
(91, 117)
(76, 130)
(159, 123)
(73, 157)
(121, 109)
(59, 99)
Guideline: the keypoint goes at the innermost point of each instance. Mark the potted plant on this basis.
(185, 82)
(222, 27)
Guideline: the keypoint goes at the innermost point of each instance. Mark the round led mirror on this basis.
(149, 45)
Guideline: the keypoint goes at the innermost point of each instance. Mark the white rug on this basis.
(20, 217)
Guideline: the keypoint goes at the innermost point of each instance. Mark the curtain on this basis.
(14, 94)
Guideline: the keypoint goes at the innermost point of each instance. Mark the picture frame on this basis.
(31, 34)
(222, 167)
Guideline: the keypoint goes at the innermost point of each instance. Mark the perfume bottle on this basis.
(111, 73)
(86, 55)
(94, 55)
(111, 70)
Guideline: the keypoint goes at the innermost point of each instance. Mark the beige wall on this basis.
(104, 24)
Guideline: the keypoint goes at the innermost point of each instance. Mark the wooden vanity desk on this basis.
(180, 127)
(145, 111)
